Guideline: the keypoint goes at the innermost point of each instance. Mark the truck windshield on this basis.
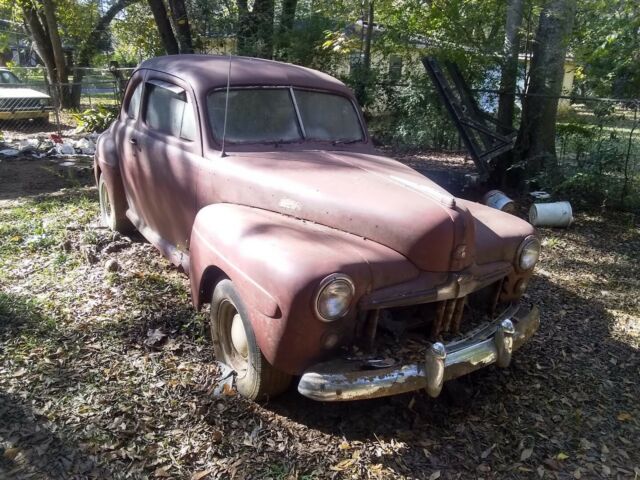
(8, 77)
(264, 115)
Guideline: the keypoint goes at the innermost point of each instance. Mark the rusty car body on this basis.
(321, 259)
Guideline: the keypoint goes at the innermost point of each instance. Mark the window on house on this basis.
(168, 110)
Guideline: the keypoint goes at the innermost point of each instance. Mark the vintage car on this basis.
(18, 102)
(321, 259)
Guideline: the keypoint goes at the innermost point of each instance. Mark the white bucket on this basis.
(557, 214)
(498, 200)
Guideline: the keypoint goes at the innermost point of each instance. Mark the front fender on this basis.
(276, 263)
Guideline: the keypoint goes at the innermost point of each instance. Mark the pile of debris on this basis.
(52, 146)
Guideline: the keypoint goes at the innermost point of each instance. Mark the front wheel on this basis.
(234, 344)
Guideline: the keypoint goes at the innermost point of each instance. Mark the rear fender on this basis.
(106, 163)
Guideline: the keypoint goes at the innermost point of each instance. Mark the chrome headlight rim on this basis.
(531, 239)
(326, 282)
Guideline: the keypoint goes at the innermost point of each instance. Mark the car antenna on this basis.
(226, 109)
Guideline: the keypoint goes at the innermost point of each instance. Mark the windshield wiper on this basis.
(346, 142)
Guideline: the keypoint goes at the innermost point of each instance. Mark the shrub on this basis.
(96, 119)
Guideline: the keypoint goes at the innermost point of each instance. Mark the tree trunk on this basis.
(62, 72)
(509, 70)
(255, 28)
(41, 42)
(244, 28)
(161, 18)
(263, 14)
(536, 137)
(364, 71)
(181, 24)
(88, 48)
(287, 18)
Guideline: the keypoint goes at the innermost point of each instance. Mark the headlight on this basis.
(334, 297)
(528, 253)
(44, 102)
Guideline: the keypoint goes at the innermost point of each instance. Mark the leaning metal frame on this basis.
(476, 127)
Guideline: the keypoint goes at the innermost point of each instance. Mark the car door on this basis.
(168, 151)
(126, 133)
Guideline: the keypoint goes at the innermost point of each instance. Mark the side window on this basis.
(169, 112)
(134, 102)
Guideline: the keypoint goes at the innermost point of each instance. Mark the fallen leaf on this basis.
(435, 475)
(488, 451)
(562, 456)
(201, 474)
(526, 454)
(155, 336)
(343, 446)
(161, 472)
(19, 373)
(11, 453)
(228, 390)
(624, 416)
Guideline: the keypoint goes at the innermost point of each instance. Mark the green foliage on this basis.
(97, 118)
(598, 148)
(134, 35)
(606, 45)
(409, 115)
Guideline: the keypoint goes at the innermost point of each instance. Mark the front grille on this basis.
(442, 320)
(18, 104)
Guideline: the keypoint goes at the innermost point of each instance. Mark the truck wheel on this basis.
(109, 217)
(234, 343)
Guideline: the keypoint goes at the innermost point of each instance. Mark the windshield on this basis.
(8, 77)
(261, 115)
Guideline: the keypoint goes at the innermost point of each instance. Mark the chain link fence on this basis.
(598, 139)
(597, 149)
(29, 104)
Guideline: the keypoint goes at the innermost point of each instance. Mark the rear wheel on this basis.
(109, 216)
(234, 344)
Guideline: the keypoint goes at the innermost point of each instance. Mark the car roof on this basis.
(205, 72)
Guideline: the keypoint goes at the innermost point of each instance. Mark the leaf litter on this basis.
(109, 374)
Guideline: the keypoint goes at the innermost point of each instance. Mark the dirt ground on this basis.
(109, 374)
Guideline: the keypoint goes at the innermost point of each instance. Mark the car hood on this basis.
(10, 92)
(364, 194)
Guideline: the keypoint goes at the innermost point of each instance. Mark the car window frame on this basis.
(11, 74)
(211, 137)
(140, 84)
(135, 80)
(192, 146)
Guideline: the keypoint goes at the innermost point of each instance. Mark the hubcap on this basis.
(239, 336)
(106, 204)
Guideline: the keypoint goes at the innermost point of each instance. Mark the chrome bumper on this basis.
(355, 379)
